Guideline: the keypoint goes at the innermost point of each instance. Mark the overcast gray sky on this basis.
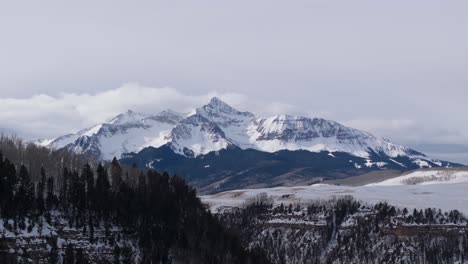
(395, 68)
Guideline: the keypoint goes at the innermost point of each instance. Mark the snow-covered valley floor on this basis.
(444, 189)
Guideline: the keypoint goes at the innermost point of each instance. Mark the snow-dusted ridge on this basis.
(217, 126)
(127, 132)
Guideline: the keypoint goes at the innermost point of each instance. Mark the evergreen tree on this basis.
(88, 177)
(75, 192)
(2, 183)
(116, 174)
(64, 190)
(127, 254)
(8, 182)
(40, 191)
(69, 257)
(141, 183)
(51, 199)
(102, 188)
(81, 191)
(25, 195)
(53, 256)
(116, 254)
(91, 229)
(81, 257)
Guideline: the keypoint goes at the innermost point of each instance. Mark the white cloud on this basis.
(45, 116)
(42, 115)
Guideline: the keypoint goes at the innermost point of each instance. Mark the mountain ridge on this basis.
(236, 168)
(217, 126)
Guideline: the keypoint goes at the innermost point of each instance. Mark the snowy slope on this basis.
(216, 126)
(197, 135)
(233, 123)
(128, 132)
(427, 177)
(316, 134)
(275, 133)
(448, 196)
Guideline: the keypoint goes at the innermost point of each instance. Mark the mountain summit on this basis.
(217, 105)
(217, 126)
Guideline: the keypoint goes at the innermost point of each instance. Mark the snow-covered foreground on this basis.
(447, 190)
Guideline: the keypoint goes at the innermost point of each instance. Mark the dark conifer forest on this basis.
(60, 207)
(84, 205)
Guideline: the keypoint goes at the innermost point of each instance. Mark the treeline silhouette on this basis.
(162, 211)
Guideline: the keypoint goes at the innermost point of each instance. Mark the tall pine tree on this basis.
(88, 177)
(116, 174)
(52, 200)
(40, 191)
(25, 196)
(102, 188)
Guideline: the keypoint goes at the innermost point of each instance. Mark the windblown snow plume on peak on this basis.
(217, 125)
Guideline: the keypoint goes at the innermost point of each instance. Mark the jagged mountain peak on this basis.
(217, 125)
(217, 107)
(216, 101)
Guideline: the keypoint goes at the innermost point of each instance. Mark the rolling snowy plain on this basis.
(444, 189)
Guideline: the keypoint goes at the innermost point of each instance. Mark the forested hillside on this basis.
(57, 207)
(347, 231)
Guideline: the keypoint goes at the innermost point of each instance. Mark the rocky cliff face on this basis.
(345, 231)
(41, 239)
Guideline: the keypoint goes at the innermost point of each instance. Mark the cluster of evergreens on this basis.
(166, 216)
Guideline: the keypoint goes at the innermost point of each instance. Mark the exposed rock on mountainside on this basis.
(217, 126)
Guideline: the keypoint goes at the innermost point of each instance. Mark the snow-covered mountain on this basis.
(127, 132)
(217, 126)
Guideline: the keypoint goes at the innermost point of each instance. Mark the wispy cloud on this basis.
(48, 116)
(409, 131)
(45, 116)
